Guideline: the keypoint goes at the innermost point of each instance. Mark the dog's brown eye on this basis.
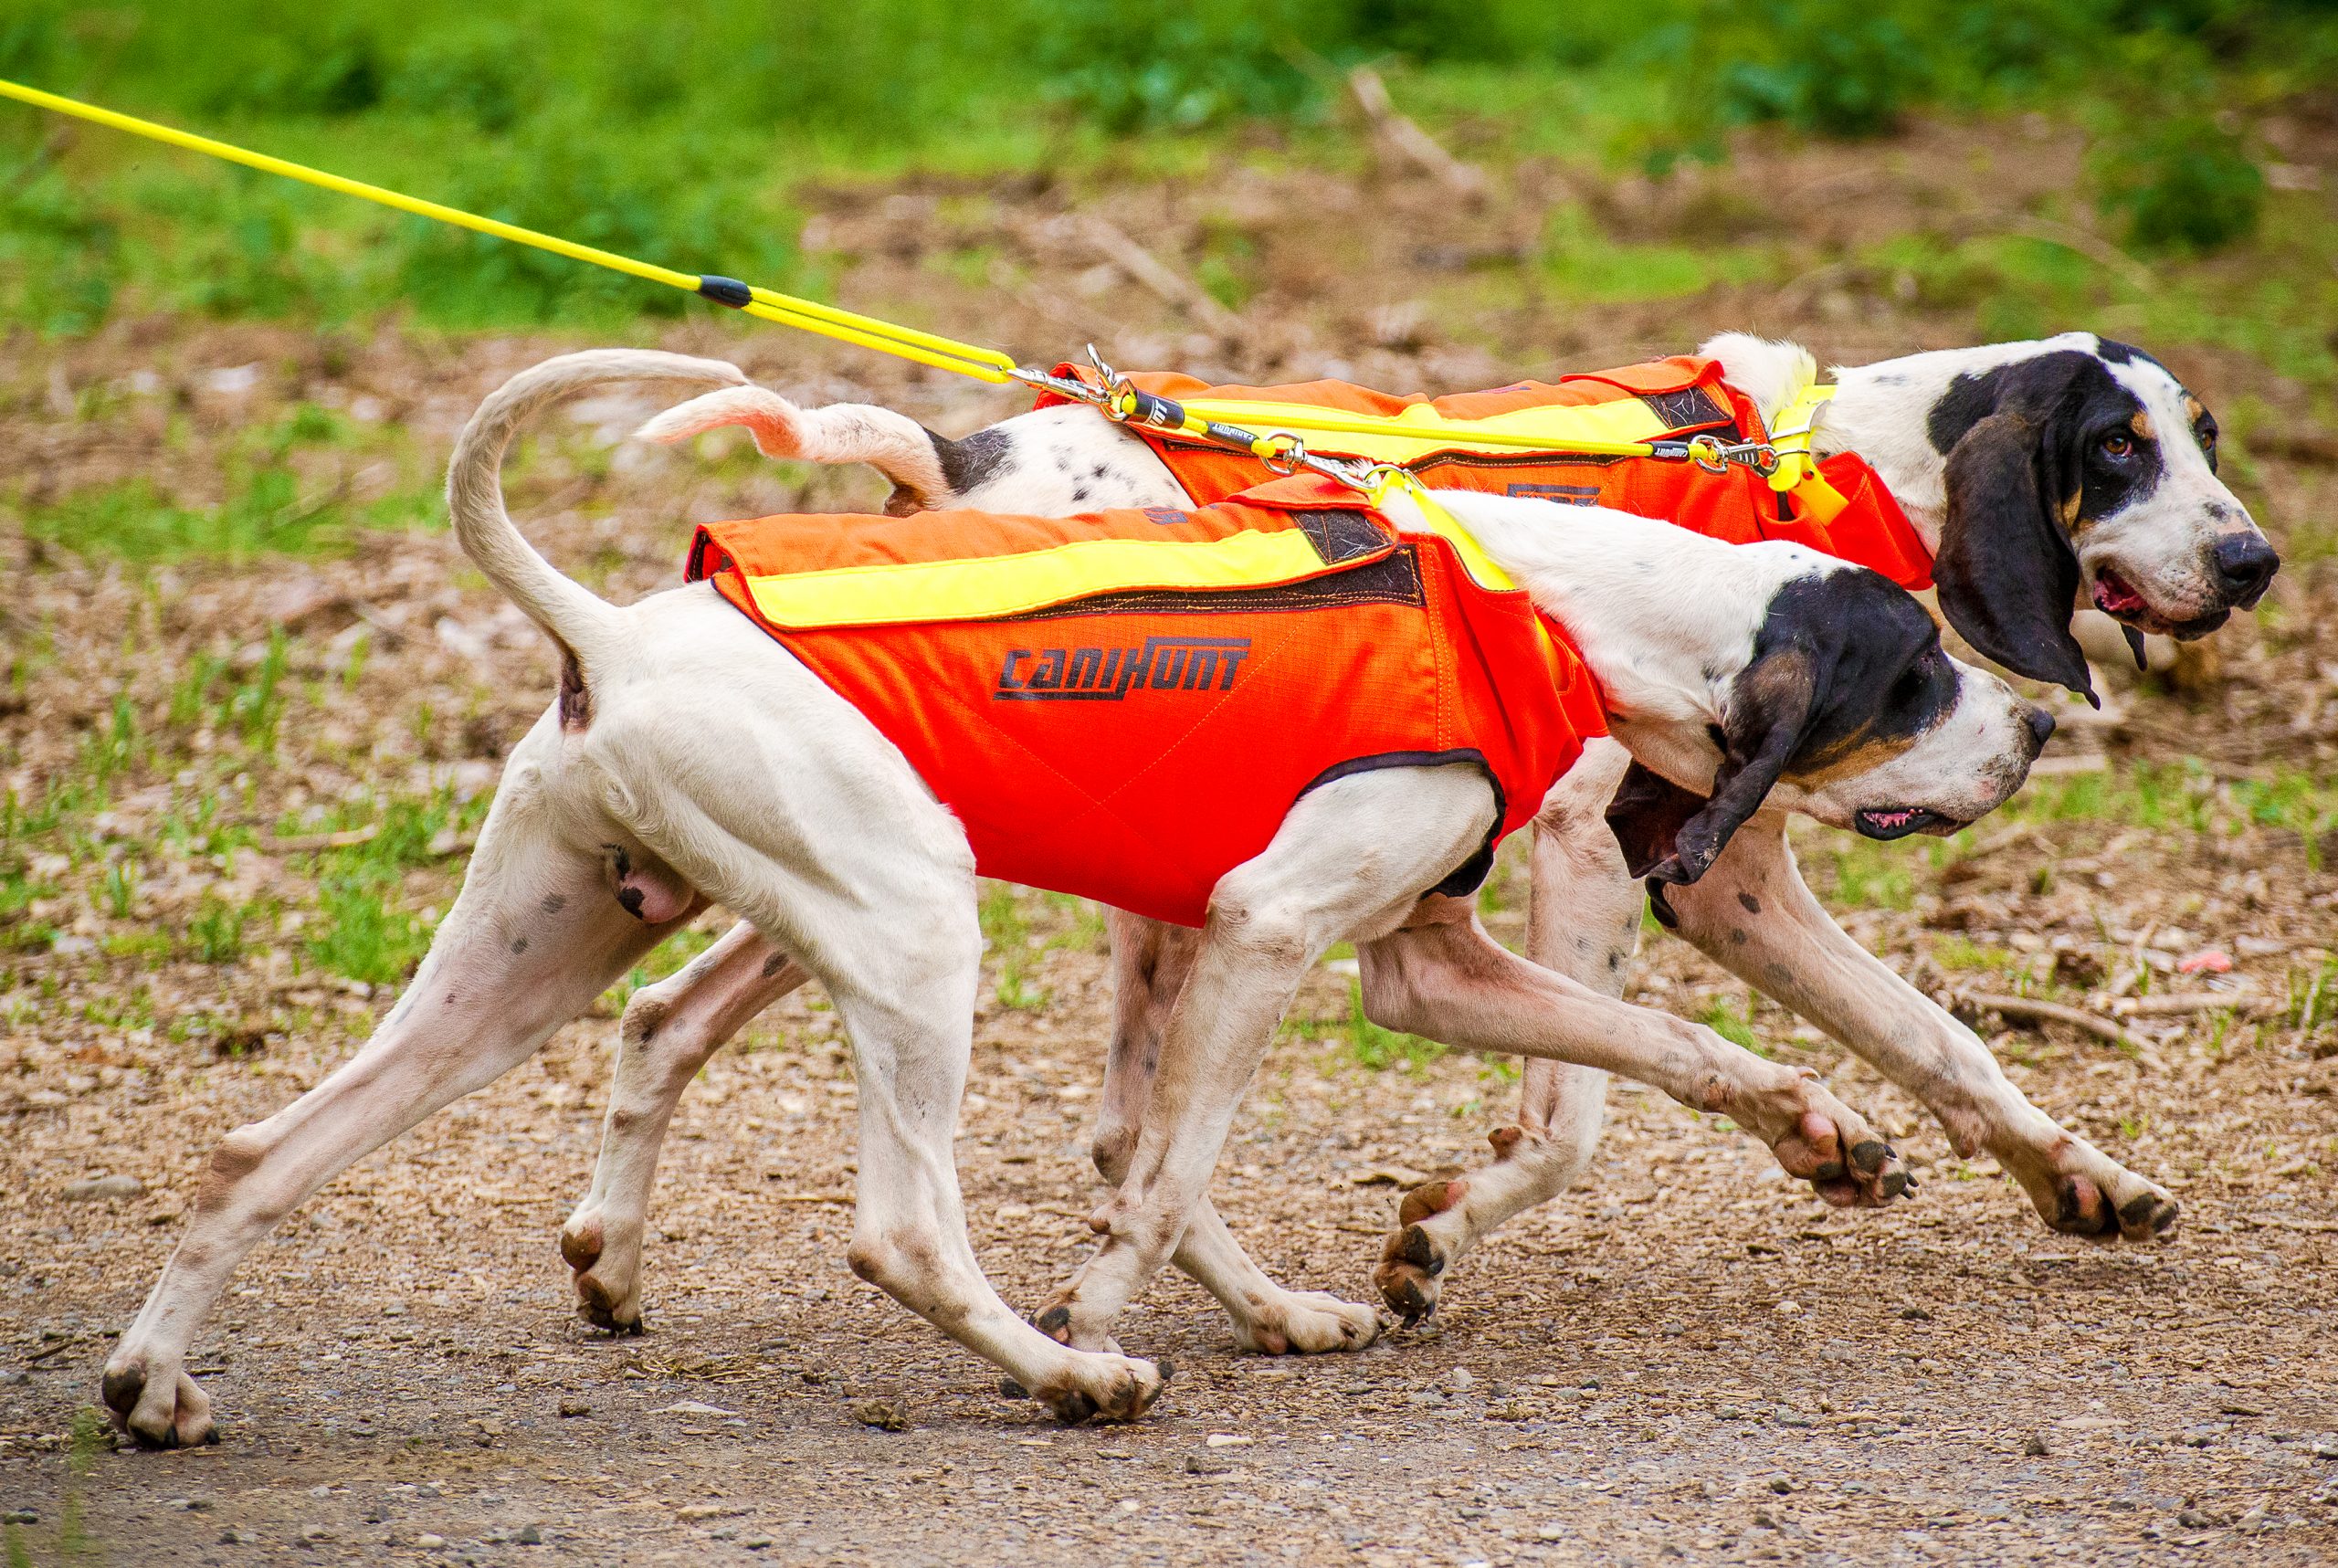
(2207, 440)
(2117, 444)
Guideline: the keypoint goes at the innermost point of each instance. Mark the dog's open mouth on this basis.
(2114, 595)
(1897, 822)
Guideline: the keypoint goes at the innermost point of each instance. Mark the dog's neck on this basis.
(1880, 412)
(1665, 618)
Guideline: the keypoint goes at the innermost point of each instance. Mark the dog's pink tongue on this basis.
(2113, 596)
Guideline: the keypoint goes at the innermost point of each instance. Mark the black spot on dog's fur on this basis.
(974, 461)
(773, 964)
(553, 903)
(1753, 905)
(519, 944)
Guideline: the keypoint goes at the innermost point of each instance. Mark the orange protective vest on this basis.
(1680, 396)
(1124, 705)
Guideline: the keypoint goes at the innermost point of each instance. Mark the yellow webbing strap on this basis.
(987, 587)
(926, 348)
(1797, 471)
(1482, 567)
(1616, 429)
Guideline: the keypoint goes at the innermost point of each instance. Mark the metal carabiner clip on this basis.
(1119, 394)
(1285, 453)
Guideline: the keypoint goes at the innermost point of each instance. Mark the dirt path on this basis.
(1684, 1359)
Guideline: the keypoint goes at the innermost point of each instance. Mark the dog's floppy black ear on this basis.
(1646, 817)
(1770, 711)
(2008, 576)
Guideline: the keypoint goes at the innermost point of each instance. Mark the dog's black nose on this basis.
(2040, 724)
(2245, 564)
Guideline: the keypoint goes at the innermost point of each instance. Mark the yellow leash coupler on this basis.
(1116, 398)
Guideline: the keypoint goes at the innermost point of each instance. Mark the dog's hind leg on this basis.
(1583, 922)
(670, 1031)
(1151, 960)
(532, 939)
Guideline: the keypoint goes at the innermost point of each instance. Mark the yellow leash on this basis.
(942, 354)
(1118, 400)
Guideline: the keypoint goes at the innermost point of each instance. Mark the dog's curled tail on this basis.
(893, 444)
(581, 623)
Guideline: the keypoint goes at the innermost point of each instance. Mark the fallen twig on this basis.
(1404, 136)
(2029, 1009)
(1968, 865)
(1112, 242)
(804, 1198)
(2172, 1003)
(310, 842)
(2093, 247)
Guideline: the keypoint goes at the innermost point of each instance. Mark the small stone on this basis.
(574, 1407)
(1203, 1465)
(757, 1542)
(1765, 1519)
(691, 1407)
(885, 1414)
(315, 1532)
(95, 1189)
(1781, 1484)
(2035, 1447)
(429, 1543)
(1915, 1314)
(531, 1535)
(1789, 1308)
(2325, 1449)
(1228, 1440)
(232, 1537)
(1458, 1380)
(1010, 1389)
(1552, 1532)
(20, 1516)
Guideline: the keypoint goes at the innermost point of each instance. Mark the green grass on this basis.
(680, 136)
(367, 930)
(1365, 1043)
(2187, 795)
(1734, 1022)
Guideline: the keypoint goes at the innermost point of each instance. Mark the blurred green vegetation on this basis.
(679, 134)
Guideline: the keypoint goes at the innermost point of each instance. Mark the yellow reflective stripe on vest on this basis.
(1620, 421)
(991, 586)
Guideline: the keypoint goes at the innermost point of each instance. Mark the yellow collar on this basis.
(1797, 471)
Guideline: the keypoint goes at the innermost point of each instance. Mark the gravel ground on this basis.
(1684, 1359)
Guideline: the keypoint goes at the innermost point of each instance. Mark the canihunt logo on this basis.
(1110, 674)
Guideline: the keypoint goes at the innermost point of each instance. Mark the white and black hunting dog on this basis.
(2049, 477)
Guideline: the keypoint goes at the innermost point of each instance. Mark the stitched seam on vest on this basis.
(1336, 589)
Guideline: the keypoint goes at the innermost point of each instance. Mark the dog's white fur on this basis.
(1751, 912)
(692, 757)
